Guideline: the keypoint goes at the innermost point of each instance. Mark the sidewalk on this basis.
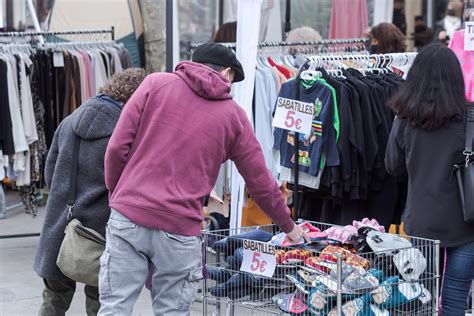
(21, 288)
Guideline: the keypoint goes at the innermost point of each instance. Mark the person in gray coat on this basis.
(94, 122)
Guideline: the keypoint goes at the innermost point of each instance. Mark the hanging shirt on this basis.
(26, 100)
(466, 58)
(6, 130)
(322, 139)
(18, 130)
(349, 19)
(265, 98)
(383, 11)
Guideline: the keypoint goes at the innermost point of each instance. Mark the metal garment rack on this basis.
(365, 41)
(110, 31)
(4, 210)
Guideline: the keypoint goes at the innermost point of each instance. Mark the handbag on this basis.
(465, 172)
(80, 251)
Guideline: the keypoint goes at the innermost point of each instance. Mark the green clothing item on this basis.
(58, 294)
(308, 84)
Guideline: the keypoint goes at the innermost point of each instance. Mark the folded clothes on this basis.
(229, 244)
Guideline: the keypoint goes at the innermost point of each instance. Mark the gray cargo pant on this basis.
(124, 268)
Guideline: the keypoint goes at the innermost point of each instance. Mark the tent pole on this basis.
(169, 35)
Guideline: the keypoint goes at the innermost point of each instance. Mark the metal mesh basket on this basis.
(320, 280)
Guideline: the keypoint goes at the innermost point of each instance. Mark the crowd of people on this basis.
(148, 204)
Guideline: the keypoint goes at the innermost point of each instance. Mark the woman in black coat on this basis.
(94, 122)
(427, 139)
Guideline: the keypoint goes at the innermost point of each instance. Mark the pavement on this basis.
(20, 287)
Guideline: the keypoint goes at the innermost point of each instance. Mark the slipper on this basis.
(330, 253)
(314, 263)
(394, 293)
(290, 303)
(296, 256)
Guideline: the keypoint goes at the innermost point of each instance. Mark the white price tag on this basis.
(58, 60)
(469, 36)
(259, 258)
(292, 115)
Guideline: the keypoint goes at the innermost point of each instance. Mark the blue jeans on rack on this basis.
(458, 277)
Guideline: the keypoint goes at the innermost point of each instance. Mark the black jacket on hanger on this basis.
(6, 133)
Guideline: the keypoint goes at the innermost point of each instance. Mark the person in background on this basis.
(423, 35)
(427, 139)
(94, 122)
(446, 27)
(386, 39)
(302, 34)
(399, 19)
(227, 33)
(162, 161)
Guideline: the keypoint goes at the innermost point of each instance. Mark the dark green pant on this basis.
(57, 298)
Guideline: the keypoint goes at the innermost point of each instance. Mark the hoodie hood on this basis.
(204, 81)
(95, 119)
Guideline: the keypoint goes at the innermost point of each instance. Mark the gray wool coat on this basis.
(93, 122)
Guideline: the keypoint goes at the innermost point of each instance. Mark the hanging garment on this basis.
(26, 100)
(383, 11)
(349, 19)
(466, 58)
(7, 144)
(19, 137)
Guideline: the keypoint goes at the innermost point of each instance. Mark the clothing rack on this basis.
(5, 209)
(110, 31)
(302, 43)
(381, 60)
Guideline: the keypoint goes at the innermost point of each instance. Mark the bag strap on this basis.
(469, 133)
(71, 197)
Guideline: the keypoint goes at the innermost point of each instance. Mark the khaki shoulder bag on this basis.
(80, 251)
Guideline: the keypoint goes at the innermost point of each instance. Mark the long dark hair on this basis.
(433, 93)
(389, 37)
(227, 33)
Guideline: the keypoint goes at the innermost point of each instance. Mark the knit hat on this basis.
(217, 54)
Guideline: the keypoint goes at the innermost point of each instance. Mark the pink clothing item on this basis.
(372, 223)
(89, 74)
(344, 234)
(349, 19)
(466, 58)
(170, 141)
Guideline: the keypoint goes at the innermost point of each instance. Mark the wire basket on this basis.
(321, 278)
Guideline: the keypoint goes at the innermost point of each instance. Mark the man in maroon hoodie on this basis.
(162, 160)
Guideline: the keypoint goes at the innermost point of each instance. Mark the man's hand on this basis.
(296, 234)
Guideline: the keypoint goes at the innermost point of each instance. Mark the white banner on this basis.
(248, 24)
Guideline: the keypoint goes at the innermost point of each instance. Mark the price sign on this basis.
(58, 60)
(259, 258)
(292, 115)
(469, 36)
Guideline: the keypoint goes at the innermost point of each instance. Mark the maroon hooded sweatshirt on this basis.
(170, 141)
